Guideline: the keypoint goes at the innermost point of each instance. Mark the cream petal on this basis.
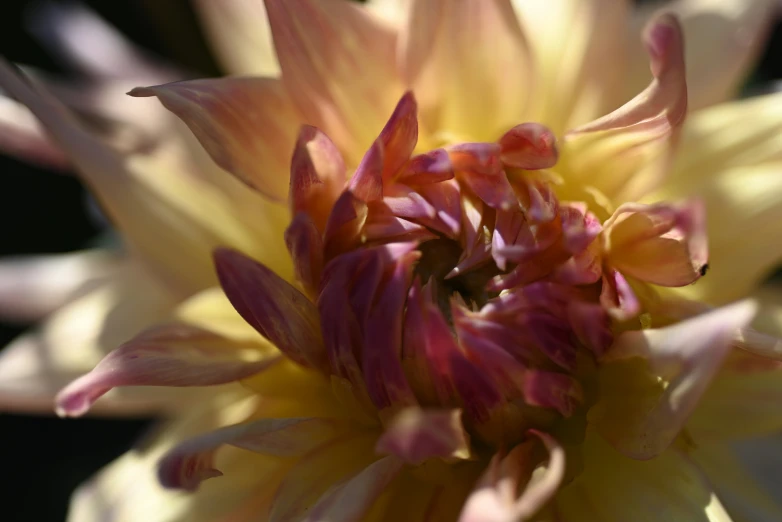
(21, 136)
(626, 153)
(338, 66)
(745, 477)
(32, 287)
(733, 167)
(669, 487)
(392, 11)
(742, 400)
(643, 408)
(578, 56)
(239, 33)
(723, 39)
(469, 65)
(247, 125)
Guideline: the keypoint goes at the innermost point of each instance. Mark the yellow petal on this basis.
(733, 166)
(742, 401)
(239, 34)
(578, 54)
(469, 65)
(739, 483)
(613, 488)
(338, 65)
(723, 40)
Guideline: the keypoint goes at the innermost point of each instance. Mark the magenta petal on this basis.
(431, 167)
(343, 228)
(170, 355)
(553, 390)
(529, 146)
(306, 248)
(400, 135)
(478, 165)
(416, 435)
(367, 183)
(272, 306)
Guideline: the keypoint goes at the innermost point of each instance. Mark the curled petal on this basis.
(617, 298)
(508, 491)
(661, 244)
(424, 169)
(343, 228)
(172, 355)
(415, 435)
(638, 413)
(234, 121)
(272, 306)
(529, 146)
(192, 462)
(317, 175)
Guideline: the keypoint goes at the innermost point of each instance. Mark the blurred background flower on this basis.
(54, 219)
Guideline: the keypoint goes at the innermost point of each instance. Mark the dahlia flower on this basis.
(499, 305)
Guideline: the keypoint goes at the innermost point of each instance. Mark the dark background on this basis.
(45, 458)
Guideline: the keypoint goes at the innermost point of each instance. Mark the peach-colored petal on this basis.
(509, 491)
(669, 487)
(724, 39)
(415, 435)
(240, 35)
(643, 408)
(578, 54)
(662, 244)
(469, 65)
(192, 462)
(169, 355)
(350, 501)
(247, 125)
(338, 66)
(733, 167)
(35, 286)
(626, 153)
(272, 306)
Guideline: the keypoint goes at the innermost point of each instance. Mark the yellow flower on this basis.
(487, 325)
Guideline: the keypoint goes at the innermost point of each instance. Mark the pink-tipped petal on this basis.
(317, 175)
(400, 135)
(529, 146)
(272, 306)
(343, 228)
(171, 355)
(415, 435)
(247, 125)
(337, 63)
(639, 416)
(192, 462)
(508, 491)
(424, 169)
(306, 248)
(662, 244)
(367, 183)
(617, 297)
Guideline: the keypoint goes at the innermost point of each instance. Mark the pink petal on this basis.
(400, 135)
(367, 183)
(192, 462)
(272, 306)
(662, 244)
(317, 175)
(617, 297)
(686, 355)
(553, 390)
(495, 499)
(344, 226)
(431, 167)
(529, 146)
(247, 125)
(349, 502)
(306, 248)
(172, 355)
(415, 435)
(338, 64)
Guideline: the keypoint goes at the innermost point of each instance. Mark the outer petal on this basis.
(734, 169)
(172, 355)
(21, 136)
(416, 435)
(247, 125)
(469, 65)
(240, 36)
(627, 152)
(578, 54)
(338, 65)
(637, 413)
(33, 287)
(669, 487)
(724, 38)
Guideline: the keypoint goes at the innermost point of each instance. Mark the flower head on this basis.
(482, 322)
